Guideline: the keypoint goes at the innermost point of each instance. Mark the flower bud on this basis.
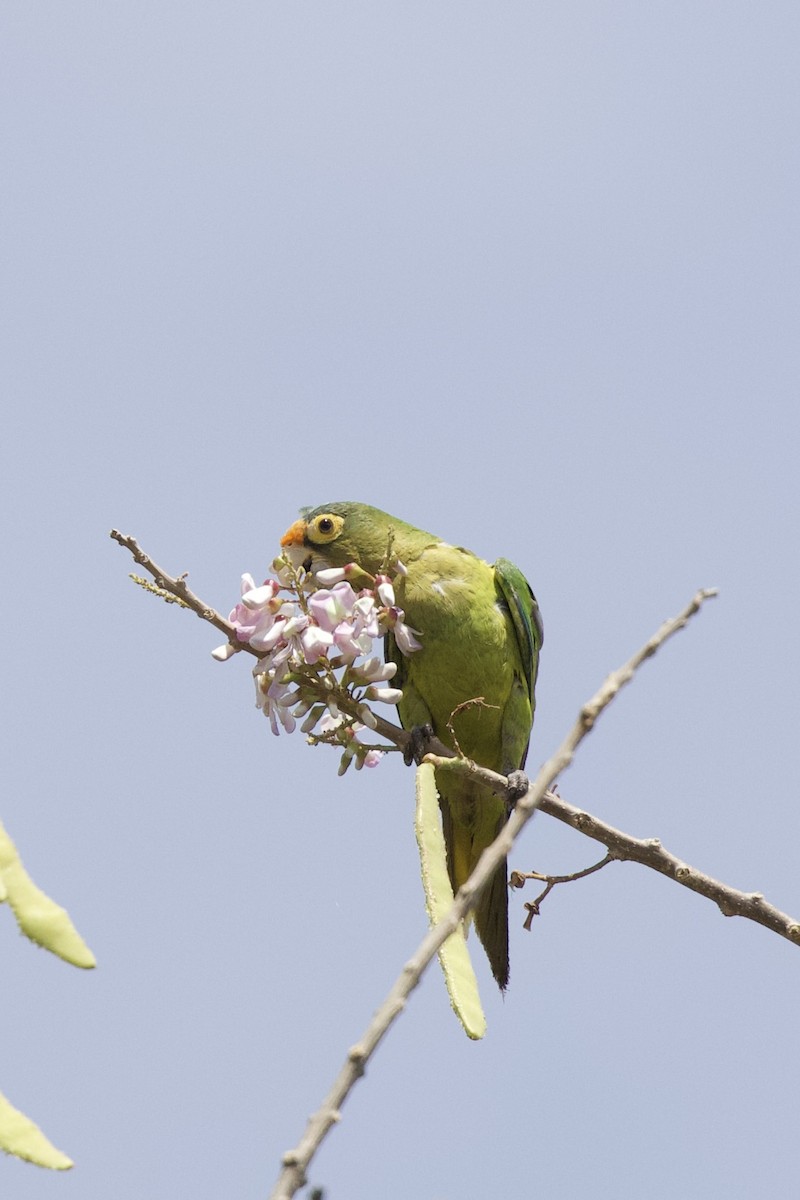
(385, 695)
(223, 653)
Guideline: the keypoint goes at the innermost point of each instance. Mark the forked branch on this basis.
(519, 878)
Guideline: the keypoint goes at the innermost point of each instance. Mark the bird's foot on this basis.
(518, 784)
(418, 744)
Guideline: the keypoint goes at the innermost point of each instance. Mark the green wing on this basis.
(525, 616)
(526, 619)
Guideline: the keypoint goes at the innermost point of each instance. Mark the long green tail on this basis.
(471, 819)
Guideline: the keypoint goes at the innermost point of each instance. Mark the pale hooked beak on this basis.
(294, 534)
(293, 542)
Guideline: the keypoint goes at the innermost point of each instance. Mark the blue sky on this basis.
(522, 274)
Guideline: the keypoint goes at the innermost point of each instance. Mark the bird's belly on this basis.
(464, 657)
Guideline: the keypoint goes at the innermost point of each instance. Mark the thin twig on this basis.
(179, 588)
(157, 591)
(475, 702)
(296, 1161)
(518, 879)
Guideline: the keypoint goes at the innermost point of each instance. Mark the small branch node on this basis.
(358, 1058)
(588, 716)
(533, 911)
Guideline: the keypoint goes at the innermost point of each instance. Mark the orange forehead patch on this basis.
(294, 534)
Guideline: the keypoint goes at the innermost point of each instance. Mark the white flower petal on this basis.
(404, 636)
(269, 638)
(330, 575)
(367, 716)
(385, 695)
(315, 643)
(286, 719)
(223, 653)
(386, 592)
(257, 597)
(295, 625)
(329, 722)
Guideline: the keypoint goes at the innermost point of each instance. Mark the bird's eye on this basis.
(325, 528)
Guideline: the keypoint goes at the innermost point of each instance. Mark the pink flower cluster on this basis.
(334, 628)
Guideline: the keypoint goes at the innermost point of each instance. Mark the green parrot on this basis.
(481, 633)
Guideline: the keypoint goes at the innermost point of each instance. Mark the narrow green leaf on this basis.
(39, 917)
(462, 986)
(20, 1137)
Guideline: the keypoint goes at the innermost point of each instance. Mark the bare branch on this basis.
(178, 588)
(650, 853)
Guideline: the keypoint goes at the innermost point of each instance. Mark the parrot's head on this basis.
(333, 535)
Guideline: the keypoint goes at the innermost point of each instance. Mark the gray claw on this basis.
(418, 745)
(518, 784)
